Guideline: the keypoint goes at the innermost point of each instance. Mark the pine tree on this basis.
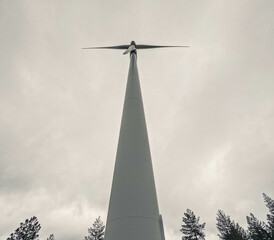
(51, 237)
(228, 229)
(257, 230)
(27, 230)
(96, 232)
(191, 229)
(270, 217)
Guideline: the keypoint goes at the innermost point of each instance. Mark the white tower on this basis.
(133, 212)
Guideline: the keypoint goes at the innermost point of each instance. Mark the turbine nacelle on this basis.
(132, 48)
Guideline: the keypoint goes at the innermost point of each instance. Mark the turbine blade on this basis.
(142, 46)
(126, 52)
(110, 47)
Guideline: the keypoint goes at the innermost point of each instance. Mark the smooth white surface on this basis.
(133, 208)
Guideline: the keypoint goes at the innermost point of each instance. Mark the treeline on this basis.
(29, 230)
(228, 229)
(191, 229)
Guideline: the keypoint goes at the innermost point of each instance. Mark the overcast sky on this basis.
(209, 108)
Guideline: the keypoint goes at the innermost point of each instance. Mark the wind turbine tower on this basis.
(133, 212)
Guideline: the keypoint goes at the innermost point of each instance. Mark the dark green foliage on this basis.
(51, 237)
(229, 230)
(270, 217)
(191, 229)
(96, 232)
(257, 230)
(27, 230)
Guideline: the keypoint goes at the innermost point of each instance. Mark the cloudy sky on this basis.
(209, 108)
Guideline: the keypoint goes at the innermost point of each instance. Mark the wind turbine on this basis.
(133, 47)
(133, 212)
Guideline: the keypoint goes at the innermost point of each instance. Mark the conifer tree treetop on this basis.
(97, 231)
(27, 230)
(192, 229)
